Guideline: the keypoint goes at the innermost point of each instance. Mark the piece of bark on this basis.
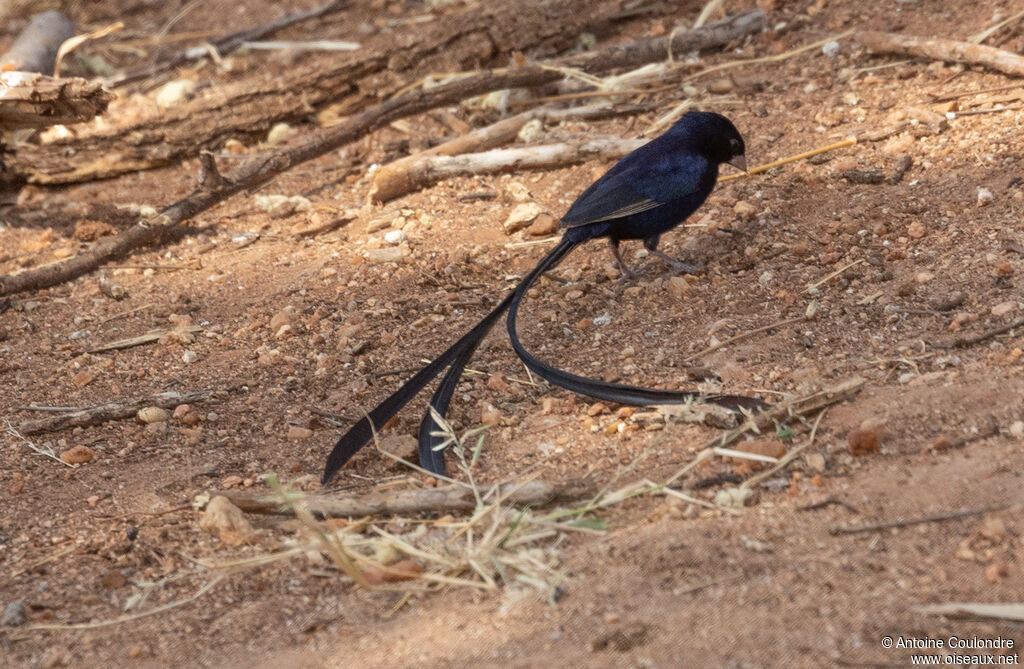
(259, 170)
(426, 170)
(444, 499)
(411, 173)
(30, 100)
(950, 51)
(35, 50)
(247, 108)
(102, 413)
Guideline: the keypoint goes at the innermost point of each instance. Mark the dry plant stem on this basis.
(833, 275)
(790, 159)
(258, 171)
(950, 51)
(103, 413)
(743, 335)
(148, 338)
(135, 616)
(788, 457)
(422, 169)
(938, 518)
(427, 500)
(975, 610)
(800, 406)
(964, 342)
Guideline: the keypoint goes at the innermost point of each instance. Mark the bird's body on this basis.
(647, 193)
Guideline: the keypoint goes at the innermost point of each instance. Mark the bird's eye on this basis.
(734, 146)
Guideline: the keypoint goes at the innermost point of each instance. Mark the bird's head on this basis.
(714, 135)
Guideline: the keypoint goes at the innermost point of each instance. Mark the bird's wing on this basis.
(635, 184)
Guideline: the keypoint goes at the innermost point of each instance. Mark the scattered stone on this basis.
(497, 382)
(113, 289)
(596, 409)
(188, 357)
(996, 571)
(489, 414)
(830, 49)
(1004, 270)
(149, 415)
(82, 379)
(916, 230)
(744, 209)
(772, 448)
(815, 461)
(1017, 429)
(521, 216)
(1003, 308)
(679, 287)
(79, 455)
(402, 446)
(175, 92)
(984, 196)
(90, 231)
(734, 498)
(14, 615)
(113, 579)
(518, 192)
(228, 521)
(387, 254)
(280, 133)
(296, 432)
(720, 86)
(545, 224)
(862, 442)
(282, 318)
(647, 418)
(395, 237)
(923, 277)
(382, 222)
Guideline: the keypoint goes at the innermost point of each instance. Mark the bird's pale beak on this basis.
(739, 162)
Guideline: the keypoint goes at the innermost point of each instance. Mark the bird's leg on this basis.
(651, 244)
(627, 273)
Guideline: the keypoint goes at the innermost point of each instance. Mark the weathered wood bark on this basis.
(946, 50)
(444, 499)
(248, 108)
(427, 167)
(259, 170)
(29, 100)
(103, 413)
(426, 170)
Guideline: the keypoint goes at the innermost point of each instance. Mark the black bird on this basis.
(647, 193)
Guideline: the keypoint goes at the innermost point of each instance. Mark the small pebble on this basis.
(296, 432)
(175, 92)
(862, 442)
(79, 455)
(984, 196)
(395, 237)
(1004, 308)
(14, 615)
(280, 133)
(149, 415)
(521, 216)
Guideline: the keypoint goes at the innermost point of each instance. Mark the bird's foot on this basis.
(678, 266)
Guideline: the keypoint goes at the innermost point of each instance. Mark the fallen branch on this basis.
(30, 100)
(950, 51)
(427, 170)
(148, 338)
(259, 170)
(427, 167)
(443, 499)
(939, 518)
(964, 342)
(102, 413)
(969, 610)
